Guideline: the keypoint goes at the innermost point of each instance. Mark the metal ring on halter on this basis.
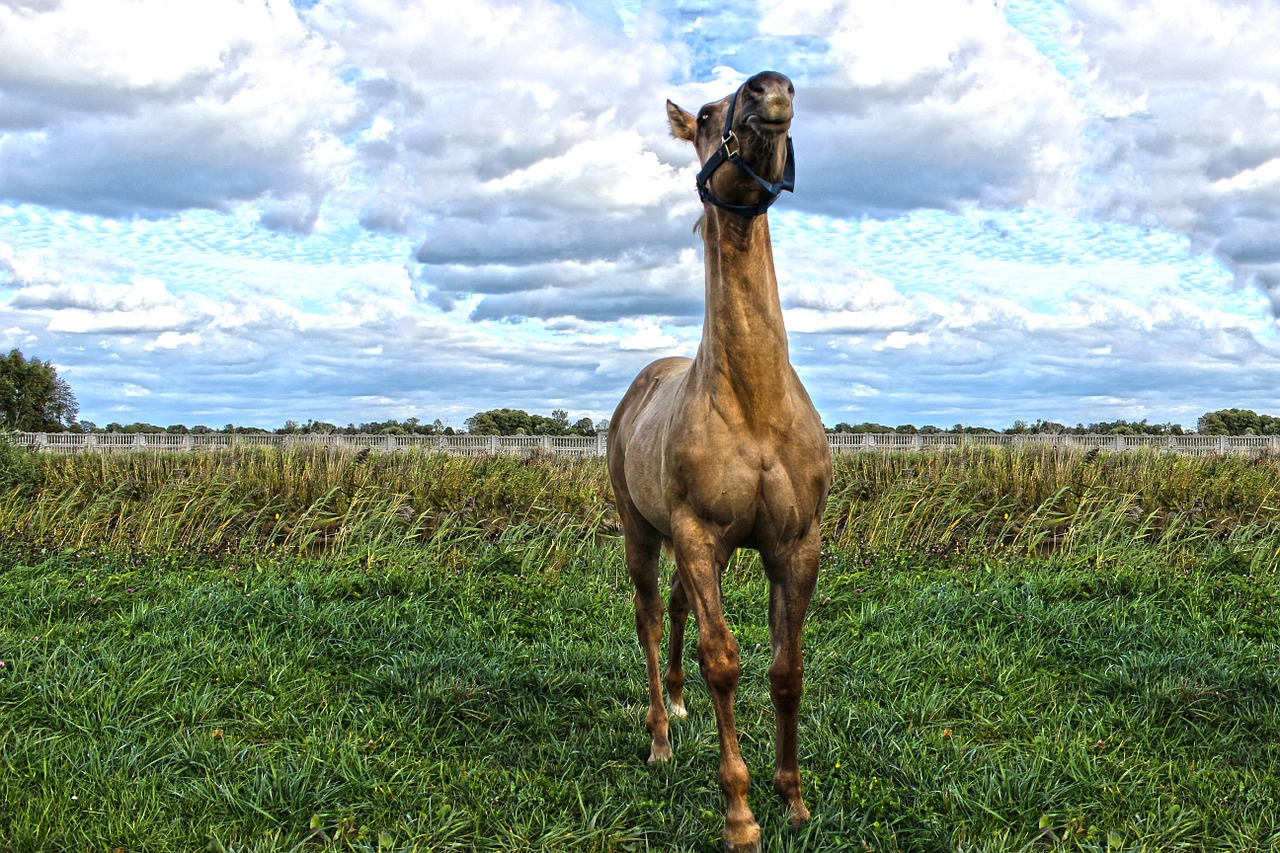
(724, 145)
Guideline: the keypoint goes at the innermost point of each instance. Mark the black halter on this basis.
(723, 154)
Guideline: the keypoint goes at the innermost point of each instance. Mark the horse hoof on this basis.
(746, 840)
(660, 754)
(798, 814)
(677, 710)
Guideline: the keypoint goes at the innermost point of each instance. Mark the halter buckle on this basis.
(724, 145)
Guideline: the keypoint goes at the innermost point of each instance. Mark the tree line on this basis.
(493, 422)
(33, 398)
(1020, 427)
(1220, 422)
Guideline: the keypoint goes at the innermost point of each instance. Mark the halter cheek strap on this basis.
(726, 154)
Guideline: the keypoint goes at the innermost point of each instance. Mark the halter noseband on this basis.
(723, 154)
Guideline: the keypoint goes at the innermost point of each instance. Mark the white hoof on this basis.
(677, 710)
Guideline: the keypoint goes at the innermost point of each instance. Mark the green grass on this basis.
(464, 675)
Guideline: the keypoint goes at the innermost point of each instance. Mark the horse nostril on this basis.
(756, 85)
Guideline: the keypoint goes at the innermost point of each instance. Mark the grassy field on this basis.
(304, 650)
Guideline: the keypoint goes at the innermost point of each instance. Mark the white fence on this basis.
(463, 445)
(574, 445)
(1195, 445)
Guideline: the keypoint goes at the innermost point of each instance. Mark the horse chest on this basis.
(747, 491)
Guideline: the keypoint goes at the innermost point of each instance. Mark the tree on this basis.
(500, 422)
(137, 427)
(321, 427)
(561, 420)
(33, 398)
(864, 427)
(1237, 422)
(518, 422)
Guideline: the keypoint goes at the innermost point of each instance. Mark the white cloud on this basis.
(648, 337)
(837, 297)
(602, 174)
(141, 295)
(902, 340)
(147, 107)
(79, 321)
(20, 268)
(528, 142)
(1191, 137)
(172, 340)
(961, 110)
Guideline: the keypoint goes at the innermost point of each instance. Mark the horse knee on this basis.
(719, 664)
(786, 684)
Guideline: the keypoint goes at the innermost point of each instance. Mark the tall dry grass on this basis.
(304, 499)
(1035, 500)
(1064, 502)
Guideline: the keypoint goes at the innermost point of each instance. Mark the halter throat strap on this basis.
(730, 152)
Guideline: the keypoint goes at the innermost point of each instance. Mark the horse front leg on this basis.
(700, 559)
(792, 577)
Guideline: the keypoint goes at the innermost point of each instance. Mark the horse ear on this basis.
(683, 124)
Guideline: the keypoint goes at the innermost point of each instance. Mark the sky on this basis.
(250, 211)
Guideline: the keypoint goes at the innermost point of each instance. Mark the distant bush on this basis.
(19, 467)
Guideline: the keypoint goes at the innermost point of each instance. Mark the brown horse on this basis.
(725, 450)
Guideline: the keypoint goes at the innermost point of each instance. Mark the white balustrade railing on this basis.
(577, 445)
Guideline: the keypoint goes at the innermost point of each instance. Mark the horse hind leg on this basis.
(642, 565)
(679, 607)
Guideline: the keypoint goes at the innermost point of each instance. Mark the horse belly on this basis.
(643, 471)
(642, 424)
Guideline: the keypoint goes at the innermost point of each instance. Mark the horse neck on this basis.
(743, 353)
